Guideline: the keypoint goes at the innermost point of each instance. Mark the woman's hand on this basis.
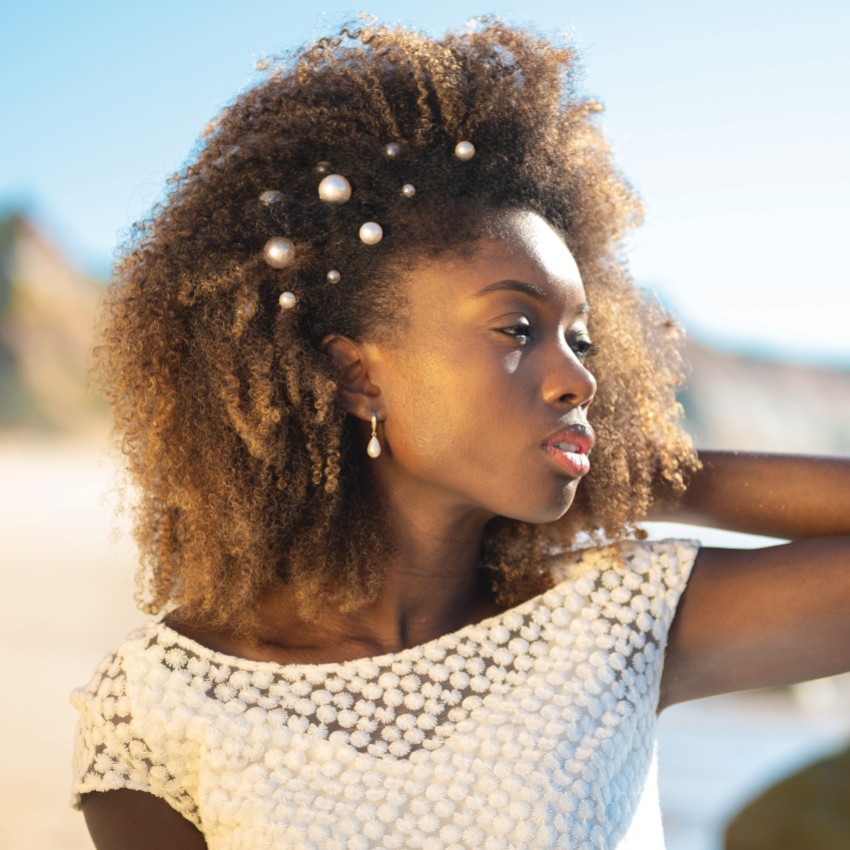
(772, 616)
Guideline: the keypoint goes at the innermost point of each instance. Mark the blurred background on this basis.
(730, 119)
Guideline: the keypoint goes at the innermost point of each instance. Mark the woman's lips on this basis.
(570, 447)
(572, 462)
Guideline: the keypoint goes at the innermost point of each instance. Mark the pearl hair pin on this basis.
(334, 189)
(371, 233)
(287, 300)
(464, 150)
(279, 252)
(271, 197)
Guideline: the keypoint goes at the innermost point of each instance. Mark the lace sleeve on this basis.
(111, 753)
(630, 590)
(666, 567)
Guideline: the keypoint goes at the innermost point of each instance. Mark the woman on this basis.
(360, 361)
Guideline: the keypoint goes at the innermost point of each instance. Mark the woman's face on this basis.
(484, 394)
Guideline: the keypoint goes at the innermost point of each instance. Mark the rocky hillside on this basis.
(743, 402)
(47, 310)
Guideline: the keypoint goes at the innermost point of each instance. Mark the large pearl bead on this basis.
(408, 190)
(334, 189)
(279, 252)
(334, 276)
(464, 150)
(371, 233)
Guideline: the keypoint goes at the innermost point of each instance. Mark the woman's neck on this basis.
(433, 585)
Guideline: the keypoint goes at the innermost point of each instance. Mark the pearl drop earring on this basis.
(374, 447)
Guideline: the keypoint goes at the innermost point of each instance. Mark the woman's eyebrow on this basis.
(527, 288)
(516, 286)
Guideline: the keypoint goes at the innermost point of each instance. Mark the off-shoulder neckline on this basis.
(451, 639)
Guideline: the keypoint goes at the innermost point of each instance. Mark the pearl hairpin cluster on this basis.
(279, 251)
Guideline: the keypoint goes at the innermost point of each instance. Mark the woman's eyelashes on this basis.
(583, 348)
(580, 344)
(521, 332)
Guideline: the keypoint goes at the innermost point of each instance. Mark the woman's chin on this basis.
(548, 512)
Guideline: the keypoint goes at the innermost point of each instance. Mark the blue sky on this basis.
(730, 118)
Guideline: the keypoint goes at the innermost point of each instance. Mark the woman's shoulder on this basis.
(637, 583)
(132, 725)
(668, 561)
(113, 665)
(153, 667)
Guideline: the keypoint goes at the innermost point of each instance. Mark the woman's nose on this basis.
(568, 381)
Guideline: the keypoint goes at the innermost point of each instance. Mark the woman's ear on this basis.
(358, 395)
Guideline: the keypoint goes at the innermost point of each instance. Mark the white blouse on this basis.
(531, 729)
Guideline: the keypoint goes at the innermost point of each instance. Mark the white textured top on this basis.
(531, 729)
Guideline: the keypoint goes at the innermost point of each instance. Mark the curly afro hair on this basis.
(226, 406)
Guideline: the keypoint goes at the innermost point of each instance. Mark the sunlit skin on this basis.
(492, 360)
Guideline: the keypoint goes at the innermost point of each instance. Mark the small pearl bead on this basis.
(279, 252)
(287, 300)
(408, 190)
(335, 189)
(392, 150)
(271, 196)
(371, 233)
(334, 276)
(323, 167)
(464, 150)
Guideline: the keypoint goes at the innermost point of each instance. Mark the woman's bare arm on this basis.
(788, 496)
(135, 820)
(772, 616)
(760, 617)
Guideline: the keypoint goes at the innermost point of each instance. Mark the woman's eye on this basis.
(521, 333)
(583, 348)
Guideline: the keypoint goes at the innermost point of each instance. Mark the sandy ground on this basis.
(67, 566)
(67, 597)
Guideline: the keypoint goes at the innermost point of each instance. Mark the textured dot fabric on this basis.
(531, 729)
